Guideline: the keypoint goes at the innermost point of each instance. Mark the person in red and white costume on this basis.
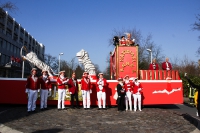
(137, 88)
(45, 85)
(122, 41)
(101, 85)
(166, 65)
(32, 88)
(129, 90)
(86, 90)
(61, 81)
(154, 65)
(73, 90)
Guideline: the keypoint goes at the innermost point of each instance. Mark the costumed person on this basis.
(129, 90)
(166, 65)
(45, 85)
(86, 90)
(129, 41)
(198, 89)
(73, 90)
(61, 82)
(32, 89)
(101, 85)
(121, 95)
(115, 40)
(122, 41)
(137, 88)
(154, 65)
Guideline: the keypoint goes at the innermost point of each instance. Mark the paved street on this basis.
(153, 119)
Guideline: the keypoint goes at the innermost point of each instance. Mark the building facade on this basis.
(12, 38)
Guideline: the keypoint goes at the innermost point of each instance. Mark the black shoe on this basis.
(59, 109)
(34, 111)
(42, 109)
(78, 107)
(99, 109)
(104, 108)
(85, 108)
(45, 108)
(72, 107)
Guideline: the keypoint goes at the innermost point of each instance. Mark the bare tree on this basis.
(196, 26)
(79, 71)
(51, 61)
(8, 6)
(72, 65)
(144, 44)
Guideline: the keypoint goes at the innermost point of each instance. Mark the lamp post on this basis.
(150, 53)
(59, 61)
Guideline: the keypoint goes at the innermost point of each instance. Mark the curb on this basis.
(194, 121)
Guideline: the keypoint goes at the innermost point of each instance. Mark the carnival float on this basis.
(159, 86)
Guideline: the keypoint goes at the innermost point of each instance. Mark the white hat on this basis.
(126, 76)
(120, 79)
(100, 74)
(85, 73)
(44, 71)
(61, 72)
(135, 78)
(34, 69)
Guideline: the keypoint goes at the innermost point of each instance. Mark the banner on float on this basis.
(53, 95)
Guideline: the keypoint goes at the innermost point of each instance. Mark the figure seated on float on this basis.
(124, 41)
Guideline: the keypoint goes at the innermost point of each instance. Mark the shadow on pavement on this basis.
(162, 106)
(53, 130)
(194, 121)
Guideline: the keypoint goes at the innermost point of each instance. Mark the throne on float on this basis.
(124, 61)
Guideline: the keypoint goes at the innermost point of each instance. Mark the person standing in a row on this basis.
(121, 95)
(137, 88)
(61, 81)
(73, 90)
(32, 87)
(45, 85)
(101, 85)
(129, 90)
(86, 90)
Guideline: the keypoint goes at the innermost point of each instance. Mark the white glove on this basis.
(49, 89)
(168, 69)
(27, 90)
(64, 82)
(90, 91)
(47, 81)
(38, 90)
(185, 75)
(139, 89)
(70, 92)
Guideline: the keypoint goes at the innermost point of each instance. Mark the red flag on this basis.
(12, 58)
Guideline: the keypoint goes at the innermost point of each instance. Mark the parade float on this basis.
(159, 86)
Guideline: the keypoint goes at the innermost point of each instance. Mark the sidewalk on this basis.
(153, 119)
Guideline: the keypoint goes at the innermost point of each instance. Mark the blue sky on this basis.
(71, 25)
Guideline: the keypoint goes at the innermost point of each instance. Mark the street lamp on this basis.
(150, 53)
(59, 61)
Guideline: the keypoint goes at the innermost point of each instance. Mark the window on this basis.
(8, 46)
(1, 43)
(2, 59)
(11, 48)
(4, 44)
(14, 48)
